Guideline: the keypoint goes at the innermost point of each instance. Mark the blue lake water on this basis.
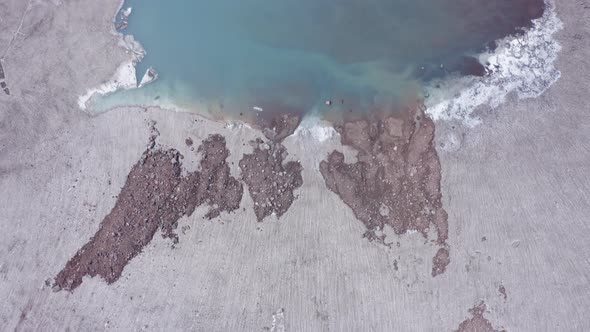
(229, 56)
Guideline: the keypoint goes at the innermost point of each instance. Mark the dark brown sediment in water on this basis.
(496, 20)
(271, 182)
(477, 323)
(154, 197)
(508, 17)
(277, 123)
(396, 178)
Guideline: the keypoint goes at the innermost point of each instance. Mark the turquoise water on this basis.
(231, 56)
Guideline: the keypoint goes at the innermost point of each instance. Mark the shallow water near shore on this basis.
(229, 58)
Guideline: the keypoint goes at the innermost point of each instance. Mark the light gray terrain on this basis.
(517, 191)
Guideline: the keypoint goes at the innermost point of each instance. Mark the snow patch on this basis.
(124, 77)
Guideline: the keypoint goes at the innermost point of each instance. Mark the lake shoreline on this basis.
(439, 96)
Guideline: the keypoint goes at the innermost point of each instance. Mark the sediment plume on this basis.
(395, 180)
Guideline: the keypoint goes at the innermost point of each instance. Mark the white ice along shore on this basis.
(125, 76)
(524, 64)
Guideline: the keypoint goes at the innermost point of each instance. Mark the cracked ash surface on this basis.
(154, 196)
(271, 183)
(396, 179)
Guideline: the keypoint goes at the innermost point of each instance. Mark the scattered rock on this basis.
(215, 185)
(270, 182)
(122, 25)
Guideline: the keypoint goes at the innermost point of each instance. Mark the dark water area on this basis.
(228, 57)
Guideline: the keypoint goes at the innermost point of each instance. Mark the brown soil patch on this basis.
(271, 182)
(154, 196)
(396, 180)
(477, 323)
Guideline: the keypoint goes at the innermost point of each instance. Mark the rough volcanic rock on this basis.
(477, 323)
(440, 262)
(216, 187)
(142, 206)
(278, 126)
(154, 196)
(270, 182)
(396, 179)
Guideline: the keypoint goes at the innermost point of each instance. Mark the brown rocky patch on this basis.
(154, 196)
(276, 126)
(502, 291)
(477, 323)
(271, 183)
(396, 179)
(440, 261)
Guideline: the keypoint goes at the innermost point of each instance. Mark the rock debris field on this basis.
(395, 182)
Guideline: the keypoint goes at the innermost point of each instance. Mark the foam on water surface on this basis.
(523, 64)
